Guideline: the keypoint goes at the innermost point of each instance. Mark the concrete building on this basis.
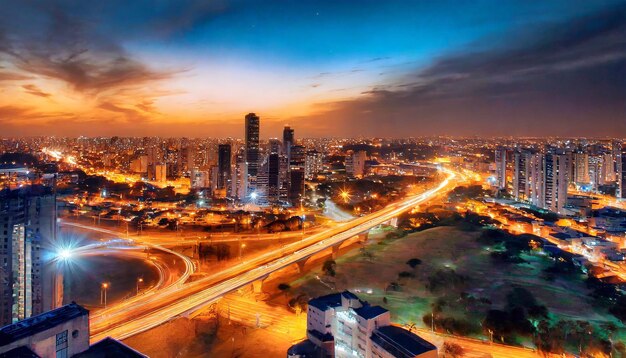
(355, 164)
(521, 175)
(621, 175)
(224, 166)
(27, 225)
(313, 165)
(60, 333)
(342, 325)
(252, 143)
(500, 159)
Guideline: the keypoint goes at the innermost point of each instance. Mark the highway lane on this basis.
(166, 304)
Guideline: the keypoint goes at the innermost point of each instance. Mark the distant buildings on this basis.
(224, 167)
(621, 174)
(252, 143)
(60, 333)
(355, 164)
(342, 325)
(500, 159)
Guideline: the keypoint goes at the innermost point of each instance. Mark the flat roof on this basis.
(369, 312)
(325, 302)
(40, 323)
(109, 347)
(400, 342)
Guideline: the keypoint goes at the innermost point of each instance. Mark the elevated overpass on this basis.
(127, 320)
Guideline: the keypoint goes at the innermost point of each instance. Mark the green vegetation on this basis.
(483, 283)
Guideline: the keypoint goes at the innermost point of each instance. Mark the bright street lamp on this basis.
(103, 294)
(139, 280)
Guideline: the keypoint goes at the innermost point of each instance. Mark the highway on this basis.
(127, 320)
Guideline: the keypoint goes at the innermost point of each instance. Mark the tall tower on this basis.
(288, 141)
(252, 143)
(621, 173)
(501, 168)
(224, 166)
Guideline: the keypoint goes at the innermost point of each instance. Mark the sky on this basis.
(327, 68)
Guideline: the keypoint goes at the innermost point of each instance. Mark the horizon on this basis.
(382, 69)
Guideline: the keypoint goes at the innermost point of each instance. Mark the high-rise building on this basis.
(521, 175)
(621, 175)
(296, 173)
(27, 226)
(288, 141)
(355, 164)
(160, 173)
(186, 159)
(556, 181)
(224, 164)
(241, 176)
(500, 167)
(252, 143)
(313, 164)
(581, 167)
(273, 174)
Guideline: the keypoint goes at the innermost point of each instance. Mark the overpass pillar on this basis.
(257, 286)
(362, 237)
(335, 248)
(300, 264)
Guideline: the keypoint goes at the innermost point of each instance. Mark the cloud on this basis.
(70, 49)
(35, 91)
(565, 79)
(13, 76)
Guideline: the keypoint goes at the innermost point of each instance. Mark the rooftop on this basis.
(369, 312)
(400, 342)
(109, 348)
(40, 323)
(325, 302)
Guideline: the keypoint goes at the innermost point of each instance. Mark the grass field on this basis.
(450, 248)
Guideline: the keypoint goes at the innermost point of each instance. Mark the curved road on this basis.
(175, 301)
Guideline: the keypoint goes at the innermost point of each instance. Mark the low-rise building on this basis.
(342, 325)
(60, 333)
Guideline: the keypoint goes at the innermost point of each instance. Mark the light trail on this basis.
(172, 302)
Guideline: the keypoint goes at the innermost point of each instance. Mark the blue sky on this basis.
(165, 63)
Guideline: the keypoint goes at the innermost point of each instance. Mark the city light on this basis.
(64, 254)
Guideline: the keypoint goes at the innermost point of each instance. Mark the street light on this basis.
(139, 280)
(241, 247)
(345, 195)
(103, 294)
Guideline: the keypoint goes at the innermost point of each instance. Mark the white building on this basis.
(342, 325)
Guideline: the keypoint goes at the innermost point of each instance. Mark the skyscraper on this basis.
(621, 175)
(288, 140)
(521, 175)
(224, 165)
(500, 168)
(296, 173)
(27, 219)
(252, 143)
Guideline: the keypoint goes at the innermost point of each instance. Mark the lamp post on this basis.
(139, 280)
(103, 294)
(241, 247)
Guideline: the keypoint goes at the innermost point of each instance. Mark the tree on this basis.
(452, 350)
(414, 262)
(329, 268)
(284, 287)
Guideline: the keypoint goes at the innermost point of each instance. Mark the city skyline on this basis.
(396, 69)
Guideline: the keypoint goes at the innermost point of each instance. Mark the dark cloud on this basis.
(70, 49)
(566, 79)
(35, 91)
